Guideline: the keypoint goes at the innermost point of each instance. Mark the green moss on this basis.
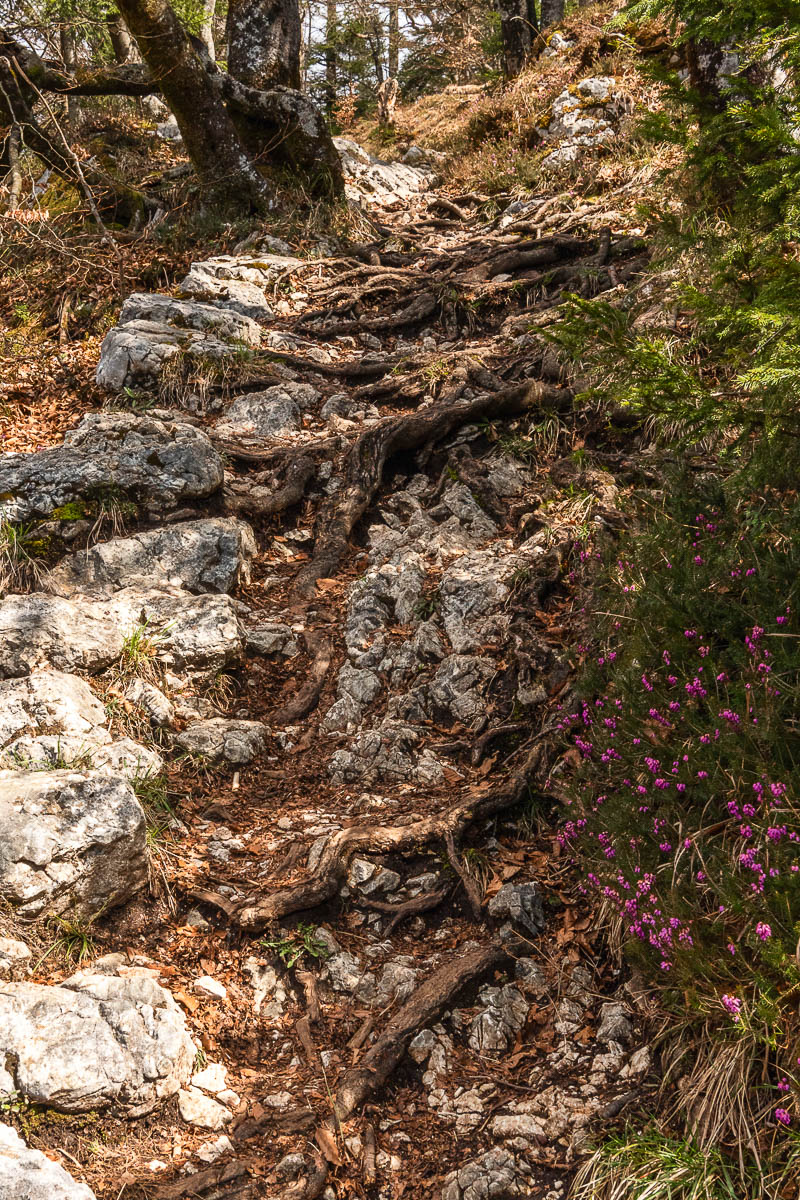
(75, 510)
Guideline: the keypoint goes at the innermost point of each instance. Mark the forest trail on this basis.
(356, 897)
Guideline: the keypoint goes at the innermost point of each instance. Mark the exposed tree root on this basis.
(254, 916)
(362, 469)
(265, 501)
(425, 902)
(320, 648)
(422, 1008)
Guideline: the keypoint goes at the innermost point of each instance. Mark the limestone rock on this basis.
(271, 637)
(265, 414)
(223, 323)
(201, 1110)
(504, 1011)
(615, 1024)
(97, 753)
(495, 1175)
(38, 629)
(202, 556)
(94, 1041)
(369, 180)
(135, 354)
(151, 700)
(30, 1175)
(70, 842)
(237, 741)
(195, 633)
(111, 454)
(13, 953)
(519, 902)
(52, 700)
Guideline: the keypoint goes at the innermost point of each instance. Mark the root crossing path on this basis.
(314, 609)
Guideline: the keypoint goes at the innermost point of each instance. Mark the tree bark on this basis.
(552, 13)
(394, 38)
(209, 133)
(121, 40)
(207, 28)
(331, 18)
(264, 43)
(517, 29)
(67, 42)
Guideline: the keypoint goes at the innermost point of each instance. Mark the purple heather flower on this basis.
(763, 931)
(782, 1116)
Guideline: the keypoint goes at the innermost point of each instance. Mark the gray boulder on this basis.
(237, 741)
(265, 414)
(38, 629)
(192, 633)
(52, 700)
(110, 455)
(519, 902)
(496, 1175)
(70, 842)
(368, 180)
(223, 323)
(94, 1041)
(503, 1013)
(203, 556)
(135, 354)
(30, 1175)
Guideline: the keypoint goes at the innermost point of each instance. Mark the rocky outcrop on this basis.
(202, 556)
(30, 1175)
(584, 116)
(109, 456)
(368, 180)
(185, 632)
(70, 842)
(106, 1036)
(276, 410)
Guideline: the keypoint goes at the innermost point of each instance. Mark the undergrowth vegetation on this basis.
(682, 750)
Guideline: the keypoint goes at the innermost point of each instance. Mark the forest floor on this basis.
(419, 579)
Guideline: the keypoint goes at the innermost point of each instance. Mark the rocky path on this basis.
(277, 726)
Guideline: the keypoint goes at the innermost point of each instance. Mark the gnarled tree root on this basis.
(256, 915)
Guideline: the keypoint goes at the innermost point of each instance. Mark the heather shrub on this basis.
(683, 768)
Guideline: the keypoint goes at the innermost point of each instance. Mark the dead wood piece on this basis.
(315, 1184)
(199, 1183)
(304, 1033)
(469, 881)
(425, 902)
(294, 1120)
(362, 1033)
(368, 1162)
(309, 986)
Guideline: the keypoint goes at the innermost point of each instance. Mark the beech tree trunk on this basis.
(207, 28)
(552, 13)
(209, 134)
(394, 38)
(121, 40)
(264, 43)
(518, 27)
(331, 18)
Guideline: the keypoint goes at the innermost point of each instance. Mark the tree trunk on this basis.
(121, 40)
(394, 38)
(552, 13)
(517, 30)
(331, 18)
(207, 28)
(704, 60)
(264, 43)
(67, 43)
(209, 134)
(11, 155)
